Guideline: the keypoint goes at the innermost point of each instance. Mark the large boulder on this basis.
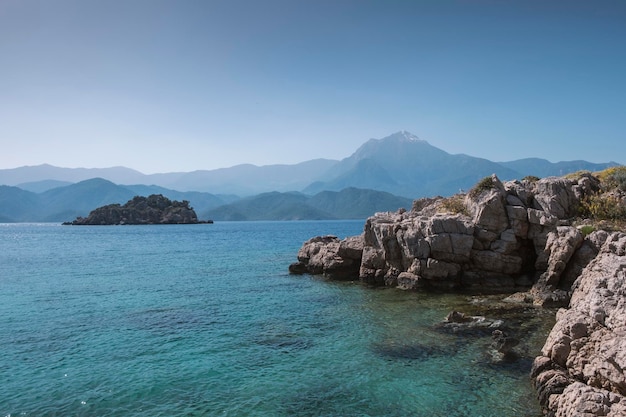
(330, 256)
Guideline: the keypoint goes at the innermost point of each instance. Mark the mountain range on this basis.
(400, 164)
(369, 180)
(66, 203)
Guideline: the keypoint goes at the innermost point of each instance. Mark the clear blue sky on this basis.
(181, 85)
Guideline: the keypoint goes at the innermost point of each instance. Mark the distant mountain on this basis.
(354, 203)
(351, 203)
(68, 202)
(242, 180)
(400, 164)
(43, 185)
(246, 180)
(543, 168)
(269, 206)
(17, 205)
(80, 198)
(36, 173)
(200, 201)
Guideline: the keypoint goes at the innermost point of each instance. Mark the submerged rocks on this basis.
(461, 322)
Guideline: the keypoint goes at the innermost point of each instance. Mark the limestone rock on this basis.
(330, 256)
(501, 237)
(587, 343)
(488, 209)
(506, 233)
(560, 246)
(556, 196)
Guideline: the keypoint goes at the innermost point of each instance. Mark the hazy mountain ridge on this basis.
(78, 200)
(244, 179)
(400, 164)
(350, 203)
(68, 202)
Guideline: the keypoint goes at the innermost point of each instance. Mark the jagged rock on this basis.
(330, 256)
(488, 209)
(505, 234)
(561, 245)
(587, 251)
(555, 195)
(587, 343)
(154, 209)
(409, 281)
(502, 237)
(578, 399)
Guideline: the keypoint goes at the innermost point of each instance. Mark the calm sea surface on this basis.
(204, 320)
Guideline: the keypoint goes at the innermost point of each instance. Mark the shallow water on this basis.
(204, 320)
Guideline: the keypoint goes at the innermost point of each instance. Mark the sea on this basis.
(205, 320)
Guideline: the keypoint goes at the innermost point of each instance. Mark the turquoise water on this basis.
(204, 320)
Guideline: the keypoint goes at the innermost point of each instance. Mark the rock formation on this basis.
(507, 237)
(155, 209)
(499, 237)
(582, 370)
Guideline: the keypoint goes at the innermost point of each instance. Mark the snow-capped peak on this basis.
(404, 135)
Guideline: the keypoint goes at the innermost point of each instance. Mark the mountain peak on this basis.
(404, 136)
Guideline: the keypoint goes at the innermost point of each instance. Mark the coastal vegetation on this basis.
(481, 186)
(604, 207)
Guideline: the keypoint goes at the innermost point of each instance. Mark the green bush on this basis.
(531, 178)
(614, 177)
(603, 207)
(482, 185)
(575, 176)
(455, 204)
(587, 229)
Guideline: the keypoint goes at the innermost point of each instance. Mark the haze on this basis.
(163, 86)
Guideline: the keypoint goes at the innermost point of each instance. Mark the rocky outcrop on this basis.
(155, 209)
(500, 237)
(582, 369)
(330, 256)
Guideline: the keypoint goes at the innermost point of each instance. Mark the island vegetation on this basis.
(154, 209)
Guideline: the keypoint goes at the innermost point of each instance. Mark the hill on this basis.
(77, 200)
(351, 203)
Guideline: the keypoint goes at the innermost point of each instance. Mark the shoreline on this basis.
(517, 238)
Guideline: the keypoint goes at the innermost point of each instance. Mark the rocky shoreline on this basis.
(517, 238)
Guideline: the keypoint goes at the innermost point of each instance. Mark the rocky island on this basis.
(552, 242)
(154, 209)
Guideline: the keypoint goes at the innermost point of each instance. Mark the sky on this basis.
(183, 85)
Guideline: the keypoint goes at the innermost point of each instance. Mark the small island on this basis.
(154, 209)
